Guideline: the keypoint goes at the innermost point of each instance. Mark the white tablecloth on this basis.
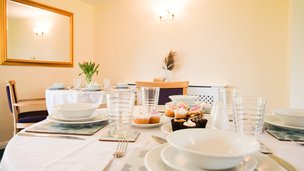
(51, 154)
(56, 97)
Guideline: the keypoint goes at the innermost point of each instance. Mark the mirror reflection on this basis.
(38, 34)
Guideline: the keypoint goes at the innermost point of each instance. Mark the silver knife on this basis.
(282, 162)
(159, 139)
(49, 136)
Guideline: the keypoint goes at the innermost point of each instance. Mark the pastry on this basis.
(196, 109)
(194, 121)
(181, 110)
(177, 124)
(154, 117)
(169, 111)
(180, 113)
(140, 116)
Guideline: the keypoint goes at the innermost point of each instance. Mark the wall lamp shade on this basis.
(167, 16)
(39, 31)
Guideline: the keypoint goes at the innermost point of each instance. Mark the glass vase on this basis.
(89, 79)
(168, 75)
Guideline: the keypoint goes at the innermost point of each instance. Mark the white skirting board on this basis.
(3, 144)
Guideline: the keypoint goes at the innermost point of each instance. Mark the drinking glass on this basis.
(249, 115)
(120, 107)
(106, 84)
(77, 83)
(226, 96)
(149, 97)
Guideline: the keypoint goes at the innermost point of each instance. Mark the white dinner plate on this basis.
(153, 161)
(146, 125)
(100, 117)
(91, 89)
(274, 120)
(172, 158)
(57, 88)
(164, 119)
(166, 128)
(61, 118)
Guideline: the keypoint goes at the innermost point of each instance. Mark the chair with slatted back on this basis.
(166, 89)
(23, 119)
(207, 94)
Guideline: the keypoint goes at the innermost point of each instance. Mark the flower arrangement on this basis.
(89, 69)
(169, 61)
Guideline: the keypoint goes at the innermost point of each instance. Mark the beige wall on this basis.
(231, 42)
(297, 54)
(32, 81)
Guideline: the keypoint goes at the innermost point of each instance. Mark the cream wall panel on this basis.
(231, 42)
(297, 54)
(32, 81)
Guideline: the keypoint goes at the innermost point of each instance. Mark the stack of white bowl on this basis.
(199, 149)
(57, 86)
(75, 111)
(93, 87)
(291, 116)
(189, 100)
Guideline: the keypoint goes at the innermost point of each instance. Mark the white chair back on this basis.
(207, 94)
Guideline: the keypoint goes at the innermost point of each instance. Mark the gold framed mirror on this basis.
(35, 34)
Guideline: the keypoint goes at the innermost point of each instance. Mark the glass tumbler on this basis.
(77, 83)
(120, 109)
(249, 115)
(149, 98)
(226, 96)
(106, 84)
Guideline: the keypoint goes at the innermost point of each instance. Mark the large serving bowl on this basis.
(291, 116)
(213, 149)
(76, 110)
(183, 98)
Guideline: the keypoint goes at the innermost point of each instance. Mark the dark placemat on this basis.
(285, 135)
(75, 129)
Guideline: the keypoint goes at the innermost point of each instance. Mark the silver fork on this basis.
(119, 152)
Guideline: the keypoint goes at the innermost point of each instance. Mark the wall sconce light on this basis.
(167, 16)
(39, 31)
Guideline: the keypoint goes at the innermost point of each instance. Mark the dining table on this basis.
(52, 153)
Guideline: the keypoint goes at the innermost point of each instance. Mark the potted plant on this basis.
(89, 69)
(168, 65)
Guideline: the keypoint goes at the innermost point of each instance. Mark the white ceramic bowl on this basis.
(93, 86)
(122, 86)
(213, 149)
(291, 116)
(183, 98)
(58, 85)
(76, 110)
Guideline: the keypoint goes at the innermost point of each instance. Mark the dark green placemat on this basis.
(75, 129)
(285, 135)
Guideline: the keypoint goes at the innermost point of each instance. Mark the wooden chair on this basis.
(166, 89)
(23, 119)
